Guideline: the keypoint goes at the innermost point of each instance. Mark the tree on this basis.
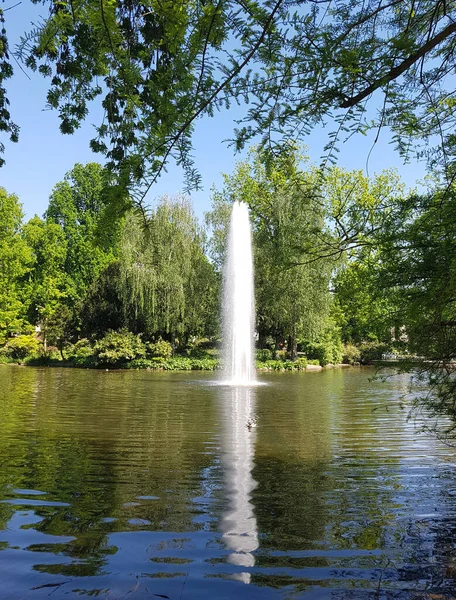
(47, 286)
(15, 262)
(365, 312)
(158, 67)
(103, 308)
(337, 62)
(287, 213)
(363, 214)
(78, 206)
(417, 260)
(167, 284)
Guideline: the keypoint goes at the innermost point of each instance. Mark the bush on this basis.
(21, 346)
(177, 363)
(351, 354)
(81, 353)
(301, 363)
(323, 353)
(283, 365)
(264, 354)
(42, 358)
(5, 357)
(160, 349)
(373, 351)
(141, 363)
(200, 348)
(271, 365)
(119, 347)
(281, 355)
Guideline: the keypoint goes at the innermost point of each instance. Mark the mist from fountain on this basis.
(238, 301)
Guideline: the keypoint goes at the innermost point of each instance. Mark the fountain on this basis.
(238, 301)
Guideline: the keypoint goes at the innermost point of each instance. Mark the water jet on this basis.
(238, 301)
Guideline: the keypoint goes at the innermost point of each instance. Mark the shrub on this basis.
(281, 355)
(42, 358)
(301, 363)
(283, 365)
(5, 356)
(327, 351)
(200, 348)
(160, 349)
(81, 353)
(351, 354)
(373, 351)
(264, 354)
(273, 365)
(21, 346)
(119, 347)
(177, 363)
(329, 347)
(141, 363)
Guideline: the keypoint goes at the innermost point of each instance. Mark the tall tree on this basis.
(15, 262)
(78, 205)
(292, 291)
(364, 311)
(418, 262)
(167, 283)
(47, 284)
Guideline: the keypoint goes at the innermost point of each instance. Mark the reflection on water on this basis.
(239, 525)
(134, 485)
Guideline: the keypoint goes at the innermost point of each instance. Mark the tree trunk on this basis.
(292, 347)
(262, 339)
(277, 346)
(45, 337)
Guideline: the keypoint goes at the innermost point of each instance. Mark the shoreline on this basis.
(260, 369)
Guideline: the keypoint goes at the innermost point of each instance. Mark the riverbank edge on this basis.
(193, 366)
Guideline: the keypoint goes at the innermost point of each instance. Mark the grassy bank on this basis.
(123, 349)
(174, 363)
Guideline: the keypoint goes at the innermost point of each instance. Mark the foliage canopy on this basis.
(157, 67)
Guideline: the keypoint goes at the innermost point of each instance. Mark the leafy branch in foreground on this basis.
(157, 67)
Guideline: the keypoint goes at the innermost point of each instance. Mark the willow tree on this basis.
(165, 277)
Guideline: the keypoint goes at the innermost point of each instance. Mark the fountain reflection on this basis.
(239, 526)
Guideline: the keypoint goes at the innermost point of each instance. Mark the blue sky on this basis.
(43, 156)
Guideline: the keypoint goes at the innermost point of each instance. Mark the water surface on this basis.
(144, 485)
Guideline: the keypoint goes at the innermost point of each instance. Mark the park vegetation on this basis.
(347, 266)
(347, 269)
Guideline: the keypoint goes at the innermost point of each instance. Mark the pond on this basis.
(162, 485)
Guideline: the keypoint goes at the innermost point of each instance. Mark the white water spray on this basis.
(238, 300)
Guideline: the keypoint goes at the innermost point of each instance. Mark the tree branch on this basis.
(396, 72)
(212, 97)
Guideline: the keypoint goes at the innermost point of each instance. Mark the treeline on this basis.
(82, 271)
(346, 268)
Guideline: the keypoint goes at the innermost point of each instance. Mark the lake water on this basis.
(144, 485)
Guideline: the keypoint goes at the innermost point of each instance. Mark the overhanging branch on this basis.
(185, 126)
(396, 72)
